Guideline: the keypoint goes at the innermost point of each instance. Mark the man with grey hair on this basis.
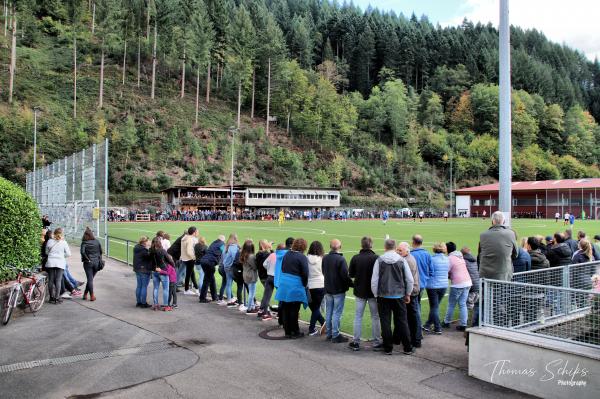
(361, 270)
(497, 248)
(392, 285)
(413, 309)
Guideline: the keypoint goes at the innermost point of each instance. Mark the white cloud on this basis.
(573, 22)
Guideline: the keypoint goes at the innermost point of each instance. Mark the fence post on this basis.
(482, 288)
(127, 251)
(566, 297)
(107, 247)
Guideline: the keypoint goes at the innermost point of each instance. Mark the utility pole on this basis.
(505, 148)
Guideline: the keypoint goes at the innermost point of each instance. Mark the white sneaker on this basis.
(195, 291)
(188, 292)
(66, 295)
(242, 308)
(222, 302)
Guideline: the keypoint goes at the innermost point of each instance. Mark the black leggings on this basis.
(90, 272)
(223, 284)
(241, 287)
(290, 320)
(190, 271)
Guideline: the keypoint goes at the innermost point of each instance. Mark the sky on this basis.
(573, 22)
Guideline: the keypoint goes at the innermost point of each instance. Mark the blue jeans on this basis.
(181, 269)
(201, 276)
(361, 303)
(335, 308)
(458, 296)
(70, 277)
(251, 294)
(157, 279)
(229, 285)
(141, 290)
(435, 296)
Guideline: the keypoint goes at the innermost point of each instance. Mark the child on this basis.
(172, 273)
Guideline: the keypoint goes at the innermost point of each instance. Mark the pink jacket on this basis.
(171, 272)
(458, 273)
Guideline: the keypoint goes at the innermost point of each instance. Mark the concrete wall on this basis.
(534, 365)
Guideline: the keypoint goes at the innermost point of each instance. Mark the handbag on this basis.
(100, 265)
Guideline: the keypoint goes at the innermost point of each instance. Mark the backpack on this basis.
(175, 249)
(237, 268)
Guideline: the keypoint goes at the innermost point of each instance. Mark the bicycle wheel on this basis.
(10, 305)
(38, 296)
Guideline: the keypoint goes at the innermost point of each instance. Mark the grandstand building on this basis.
(248, 197)
(541, 199)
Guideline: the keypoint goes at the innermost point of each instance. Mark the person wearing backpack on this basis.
(392, 285)
(210, 259)
(175, 252)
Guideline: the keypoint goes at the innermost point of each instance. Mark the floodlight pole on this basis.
(232, 130)
(34, 179)
(505, 150)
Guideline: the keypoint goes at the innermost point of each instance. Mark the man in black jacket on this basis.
(560, 253)
(361, 270)
(337, 282)
(175, 252)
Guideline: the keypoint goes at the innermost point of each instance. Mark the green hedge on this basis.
(20, 229)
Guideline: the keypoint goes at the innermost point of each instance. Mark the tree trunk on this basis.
(197, 92)
(183, 75)
(239, 113)
(93, 17)
(101, 97)
(124, 62)
(148, 22)
(218, 75)
(139, 56)
(13, 55)
(5, 18)
(74, 77)
(153, 63)
(287, 130)
(208, 82)
(252, 102)
(268, 99)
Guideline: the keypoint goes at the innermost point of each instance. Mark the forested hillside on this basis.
(375, 103)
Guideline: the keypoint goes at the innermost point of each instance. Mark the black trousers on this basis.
(290, 319)
(172, 293)
(241, 287)
(190, 272)
(90, 272)
(54, 281)
(393, 308)
(223, 283)
(209, 282)
(414, 319)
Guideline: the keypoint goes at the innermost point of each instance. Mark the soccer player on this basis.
(557, 216)
(566, 217)
(571, 220)
(385, 215)
(281, 217)
(445, 216)
(421, 215)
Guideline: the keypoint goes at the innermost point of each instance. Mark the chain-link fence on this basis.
(561, 313)
(73, 191)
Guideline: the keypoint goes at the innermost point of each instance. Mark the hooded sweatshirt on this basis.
(473, 270)
(458, 272)
(391, 257)
(423, 259)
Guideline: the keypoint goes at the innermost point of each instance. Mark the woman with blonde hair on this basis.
(437, 285)
(232, 250)
(57, 250)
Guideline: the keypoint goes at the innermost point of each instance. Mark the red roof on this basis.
(536, 185)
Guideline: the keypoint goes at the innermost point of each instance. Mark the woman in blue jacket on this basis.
(437, 283)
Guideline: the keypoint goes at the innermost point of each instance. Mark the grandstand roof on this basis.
(563, 184)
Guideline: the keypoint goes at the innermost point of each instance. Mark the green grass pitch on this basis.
(460, 231)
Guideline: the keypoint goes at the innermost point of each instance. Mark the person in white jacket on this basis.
(57, 250)
(392, 284)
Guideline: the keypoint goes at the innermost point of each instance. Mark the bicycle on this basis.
(34, 296)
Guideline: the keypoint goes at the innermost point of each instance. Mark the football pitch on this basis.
(460, 231)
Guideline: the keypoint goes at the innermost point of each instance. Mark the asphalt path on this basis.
(111, 349)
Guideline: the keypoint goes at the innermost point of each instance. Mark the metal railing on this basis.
(120, 249)
(561, 313)
(578, 276)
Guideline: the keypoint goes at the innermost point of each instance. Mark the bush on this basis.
(20, 229)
